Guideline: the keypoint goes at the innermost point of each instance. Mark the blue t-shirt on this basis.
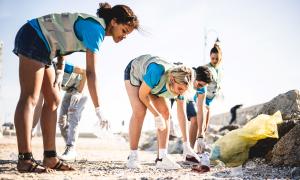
(202, 91)
(68, 68)
(90, 32)
(153, 75)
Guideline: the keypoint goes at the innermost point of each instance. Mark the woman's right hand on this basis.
(58, 78)
(160, 122)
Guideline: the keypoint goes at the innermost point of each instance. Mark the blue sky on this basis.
(259, 39)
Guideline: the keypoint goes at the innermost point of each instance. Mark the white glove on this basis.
(201, 145)
(75, 98)
(160, 123)
(103, 122)
(204, 159)
(187, 150)
(58, 78)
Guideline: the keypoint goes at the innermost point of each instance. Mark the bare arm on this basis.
(181, 115)
(92, 77)
(144, 93)
(200, 113)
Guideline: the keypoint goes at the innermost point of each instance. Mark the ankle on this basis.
(25, 156)
(50, 154)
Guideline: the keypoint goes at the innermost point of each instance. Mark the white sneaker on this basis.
(167, 163)
(133, 162)
(69, 154)
(204, 159)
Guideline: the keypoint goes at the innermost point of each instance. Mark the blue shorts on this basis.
(190, 109)
(29, 44)
(127, 71)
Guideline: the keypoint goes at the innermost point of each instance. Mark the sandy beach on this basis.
(105, 159)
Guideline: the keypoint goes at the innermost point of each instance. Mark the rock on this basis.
(288, 104)
(175, 146)
(295, 172)
(230, 127)
(264, 146)
(287, 150)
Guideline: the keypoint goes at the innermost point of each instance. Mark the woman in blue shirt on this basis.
(151, 79)
(37, 43)
(203, 99)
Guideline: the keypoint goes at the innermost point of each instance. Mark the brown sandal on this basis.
(61, 166)
(33, 167)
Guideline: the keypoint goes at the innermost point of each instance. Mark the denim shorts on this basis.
(190, 110)
(127, 71)
(29, 44)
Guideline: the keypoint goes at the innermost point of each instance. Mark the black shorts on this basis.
(29, 44)
(190, 110)
(127, 71)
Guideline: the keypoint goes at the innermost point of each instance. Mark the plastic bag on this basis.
(233, 148)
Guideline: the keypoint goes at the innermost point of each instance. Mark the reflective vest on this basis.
(139, 68)
(58, 30)
(213, 87)
(71, 82)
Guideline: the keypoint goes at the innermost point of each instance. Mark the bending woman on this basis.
(150, 78)
(37, 43)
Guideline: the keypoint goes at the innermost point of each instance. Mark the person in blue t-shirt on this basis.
(203, 99)
(150, 82)
(40, 41)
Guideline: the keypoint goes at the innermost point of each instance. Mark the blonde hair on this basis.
(181, 74)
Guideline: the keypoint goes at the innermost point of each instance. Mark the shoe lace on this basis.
(67, 150)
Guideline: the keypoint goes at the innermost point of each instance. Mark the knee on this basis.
(139, 114)
(26, 100)
(53, 103)
(165, 113)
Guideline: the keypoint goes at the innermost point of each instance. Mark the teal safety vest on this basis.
(58, 30)
(213, 88)
(71, 82)
(138, 70)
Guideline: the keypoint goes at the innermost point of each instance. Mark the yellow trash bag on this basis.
(233, 148)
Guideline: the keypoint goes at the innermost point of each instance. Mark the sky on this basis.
(259, 40)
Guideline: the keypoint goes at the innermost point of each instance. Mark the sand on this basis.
(105, 159)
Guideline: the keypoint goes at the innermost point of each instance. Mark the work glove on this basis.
(160, 122)
(188, 151)
(75, 98)
(200, 145)
(103, 122)
(58, 78)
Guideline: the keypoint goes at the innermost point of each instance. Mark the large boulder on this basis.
(264, 146)
(288, 104)
(287, 150)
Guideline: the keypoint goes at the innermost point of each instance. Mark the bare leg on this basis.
(162, 107)
(193, 131)
(38, 111)
(31, 74)
(137, 117)
(49, 117)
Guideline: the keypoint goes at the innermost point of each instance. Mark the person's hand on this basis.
(58, 78)
(160, 122)
(75, 98)
(103, 122)
(200, 145)
(188, 151)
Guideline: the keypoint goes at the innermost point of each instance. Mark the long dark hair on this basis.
(122, 13)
